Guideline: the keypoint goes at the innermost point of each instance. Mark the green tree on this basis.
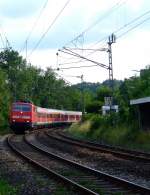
(11, 63)
(4, 100)
(94, 107)
(102, 92)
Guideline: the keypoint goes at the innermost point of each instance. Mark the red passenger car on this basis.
(25, 115)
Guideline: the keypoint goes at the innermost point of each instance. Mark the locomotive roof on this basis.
(50, 110)
(47, 110)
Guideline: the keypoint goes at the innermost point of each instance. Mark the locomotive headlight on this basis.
(13, 120)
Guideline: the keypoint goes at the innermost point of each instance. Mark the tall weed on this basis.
(110, 130)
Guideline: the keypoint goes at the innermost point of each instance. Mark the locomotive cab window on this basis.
(21, 108)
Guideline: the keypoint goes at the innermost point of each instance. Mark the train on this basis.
(25, 116)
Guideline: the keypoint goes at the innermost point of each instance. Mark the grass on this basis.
(61, 190)
(4, 130)
(6, 189)
(80, 129)
(70, 173)
(120, 135)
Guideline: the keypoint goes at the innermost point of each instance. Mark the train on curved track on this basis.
(26, 116)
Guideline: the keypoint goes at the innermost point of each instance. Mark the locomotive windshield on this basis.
(21, 108)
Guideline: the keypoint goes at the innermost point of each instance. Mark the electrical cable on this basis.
(134, 24)
(67, 82)
(74, 67)
(113, 8)
(116, 6)
(71, 76)
(140, 23)
(79, 61)
(49, 27)
(2, 40)
(8, 45)
(122, 27)
(67, 51)
(34, 25)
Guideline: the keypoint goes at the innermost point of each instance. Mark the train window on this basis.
(16, 107)
(21, 108)
(26, 108)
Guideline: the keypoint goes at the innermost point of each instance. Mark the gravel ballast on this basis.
(23, 176)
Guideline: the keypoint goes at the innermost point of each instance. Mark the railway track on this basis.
(131, 170)
(20, 146)
(82, 179)
(116, 151)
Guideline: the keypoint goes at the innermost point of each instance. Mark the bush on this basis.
(5, 188)
(110, 130)
(80, 129)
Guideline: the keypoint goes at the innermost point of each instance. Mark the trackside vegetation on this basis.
(122, 128)
(22, 81)
(98, 128)
(6, 189)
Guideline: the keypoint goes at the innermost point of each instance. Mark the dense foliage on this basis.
(117, 128)
(20, 81)
(5, 188)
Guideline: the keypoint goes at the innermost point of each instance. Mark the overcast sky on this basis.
(93, 20)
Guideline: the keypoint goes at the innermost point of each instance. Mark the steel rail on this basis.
(76, 187)
(113, 179)
(123, 153)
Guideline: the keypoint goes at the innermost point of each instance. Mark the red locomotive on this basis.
(25, 115)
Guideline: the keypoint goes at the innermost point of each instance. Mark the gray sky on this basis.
(93, 20)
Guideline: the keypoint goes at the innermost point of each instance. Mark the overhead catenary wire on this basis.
(135, 26)
(112, 9)
(75, 67)
(34, 24)
(120, 29)
(3, 35)
(72, 76)
(67, 51)
(131, 22)
(66, 58)
(49, 27)
(82, 60)
(75, 62)
(67, 82)
(124, 26)
(2, 40)
(116, 6)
